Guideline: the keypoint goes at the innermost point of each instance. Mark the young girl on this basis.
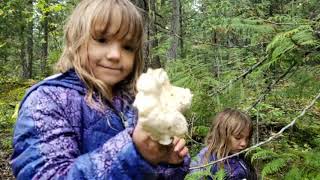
(81, 124)
(230, 133)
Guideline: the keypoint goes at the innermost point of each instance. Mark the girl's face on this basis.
(240, 141)
(111, 58)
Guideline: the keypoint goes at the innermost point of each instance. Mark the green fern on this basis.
(205, 172)
(294, 174)
(312, 159)
(220, 175)
(273, 167)
(263, 154)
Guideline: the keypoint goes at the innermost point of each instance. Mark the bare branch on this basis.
(266, 141)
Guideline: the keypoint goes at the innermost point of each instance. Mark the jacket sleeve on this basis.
(198, 161)
(239, 169)
(200, 173)
(168, 172)
(47, 143)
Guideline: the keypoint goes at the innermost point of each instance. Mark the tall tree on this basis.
(149, 16)
(45, 42)
(176, 40)
(154, 60)
(27, 70)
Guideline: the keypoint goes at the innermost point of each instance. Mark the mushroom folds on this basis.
(160, 106)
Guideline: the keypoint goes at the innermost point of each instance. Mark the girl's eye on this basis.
(101, 40)
(128, 48)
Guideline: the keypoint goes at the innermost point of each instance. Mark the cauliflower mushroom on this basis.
(160, 106)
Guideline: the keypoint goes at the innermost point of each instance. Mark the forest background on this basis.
(261, 56)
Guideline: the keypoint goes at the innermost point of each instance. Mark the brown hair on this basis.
(90, 19)
(227, 123)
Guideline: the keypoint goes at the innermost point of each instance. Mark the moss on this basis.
(12, 93)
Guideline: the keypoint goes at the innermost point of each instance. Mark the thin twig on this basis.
(194, 140)
(191, 133)
(192, 120)
(266, 141)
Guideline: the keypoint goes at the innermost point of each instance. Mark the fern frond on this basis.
(220, 175)
(263, 154)
(199, 174)
(289, 155)
(274, 166)
(294, 174)
(312, 159)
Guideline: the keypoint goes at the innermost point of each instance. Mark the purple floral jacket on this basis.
(235, 167)
(58, 136)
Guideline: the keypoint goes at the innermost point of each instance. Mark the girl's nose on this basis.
(243, 143)
(113, 51)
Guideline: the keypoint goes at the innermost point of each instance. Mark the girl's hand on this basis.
(156, 153)
(177, 152)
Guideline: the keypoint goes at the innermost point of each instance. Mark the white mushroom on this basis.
(160, 106)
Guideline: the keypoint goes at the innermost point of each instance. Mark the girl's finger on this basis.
(184, 152)
(179, 145)
(175, 140)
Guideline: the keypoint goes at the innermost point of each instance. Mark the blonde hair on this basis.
(230, 122)
(92, 18)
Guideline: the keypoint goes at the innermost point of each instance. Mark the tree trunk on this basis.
(28, 66)
(143, 4)
(150, 29)
(173, 52)
(154, 61)
(44, 59)
(182, 53)
(23, 54)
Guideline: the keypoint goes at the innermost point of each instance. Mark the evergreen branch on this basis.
(242, 76)
(194, 41)
(281, 23)
(277, 23)
(269, 88)
(228, 46)
(266, 141)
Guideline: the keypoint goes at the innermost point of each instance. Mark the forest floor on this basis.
(5, 154)
(12, 92)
